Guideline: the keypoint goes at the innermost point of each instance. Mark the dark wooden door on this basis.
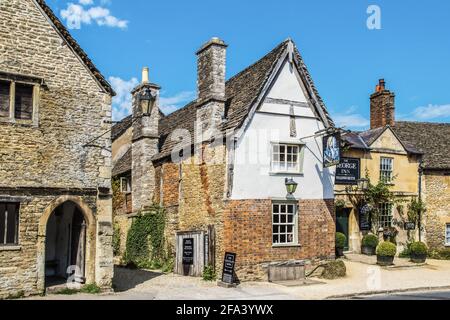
(342, 217)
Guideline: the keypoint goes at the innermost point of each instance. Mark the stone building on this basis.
(55, 198)
(219, 165)
(410, 156)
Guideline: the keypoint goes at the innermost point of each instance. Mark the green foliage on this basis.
(406, 253)
(339, 204)
(67, 292)
(341, 239)
(118, 196)
(442, 254)
(168, 266)
(209, 274)
(415, 208)
(91, 289)
(116, 240)
(145, 239)
(334, 270)
(370, 240)
(386, 249)
(418, 248)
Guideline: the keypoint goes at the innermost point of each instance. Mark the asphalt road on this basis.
(434, 295)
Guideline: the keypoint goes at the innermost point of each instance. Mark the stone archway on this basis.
(89, 219)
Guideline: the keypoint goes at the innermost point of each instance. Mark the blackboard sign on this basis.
(410, 226)
(331, 150)
(364, 218)
(188, 251)
(228, 268)
(348, 171)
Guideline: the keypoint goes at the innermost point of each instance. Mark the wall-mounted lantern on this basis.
(363, 184)
(291, 186)
(147, 100)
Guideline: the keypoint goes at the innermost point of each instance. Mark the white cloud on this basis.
(431, 112)
(76, 15)
(173, 103)
(122, 101)
(351, 119)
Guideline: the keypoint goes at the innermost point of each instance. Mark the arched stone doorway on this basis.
(66, 243)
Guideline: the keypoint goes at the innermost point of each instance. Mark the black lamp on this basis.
(291, 186)
(147, 100)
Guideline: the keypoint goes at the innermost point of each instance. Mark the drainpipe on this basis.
(420, 198)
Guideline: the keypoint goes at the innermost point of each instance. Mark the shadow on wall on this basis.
(126, 279)
(326, 177)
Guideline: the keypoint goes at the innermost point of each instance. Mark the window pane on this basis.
(290, 218)
(276, 208)
(2, 223)
(283, 208)
(283, 238)
(11, 228)
(283, 218)
(276, 229)
(4, 98)
(24, 102)
(276, 218)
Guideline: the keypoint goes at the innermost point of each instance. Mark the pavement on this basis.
(415, 295)
(362, 279)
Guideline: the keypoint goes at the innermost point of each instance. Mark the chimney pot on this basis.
(145, 75)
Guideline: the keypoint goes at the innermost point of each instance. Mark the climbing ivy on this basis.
(118, 196)
(145, 239)
(116, 239)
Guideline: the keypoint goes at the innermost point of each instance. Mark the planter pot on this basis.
(339, 252)
(419, 258)
(368, 251)
(385, 261)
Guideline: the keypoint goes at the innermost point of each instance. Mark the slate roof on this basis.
(123, 165)
(364, 139)
(76, 47)
(431, 138)
(242, 91)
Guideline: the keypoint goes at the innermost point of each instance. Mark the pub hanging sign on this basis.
(348, 171)
(331, 150)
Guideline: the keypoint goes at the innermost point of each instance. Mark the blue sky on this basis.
(346, 59)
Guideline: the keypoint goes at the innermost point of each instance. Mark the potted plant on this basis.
(369, 245)
(418, 252)
(341, 239)
(386, 252)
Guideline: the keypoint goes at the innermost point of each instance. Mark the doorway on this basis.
(342, 224)
(65, 246)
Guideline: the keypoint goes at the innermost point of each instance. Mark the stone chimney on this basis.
(145, 143)
(211, 69)
(382, 107)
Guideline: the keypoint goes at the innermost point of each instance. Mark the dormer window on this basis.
(19, 97)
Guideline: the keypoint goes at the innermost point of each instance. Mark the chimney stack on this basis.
(145, 142)
(211, 69)
(382, 107)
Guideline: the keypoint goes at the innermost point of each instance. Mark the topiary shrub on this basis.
(370, 241)
(341, 239)
(386, 249)
(418, 248)
(334, 270)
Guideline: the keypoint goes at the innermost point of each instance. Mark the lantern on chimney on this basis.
(147, 100)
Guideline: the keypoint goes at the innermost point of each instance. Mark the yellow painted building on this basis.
(381, 155)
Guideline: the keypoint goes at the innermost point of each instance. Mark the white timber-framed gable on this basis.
(283, 115)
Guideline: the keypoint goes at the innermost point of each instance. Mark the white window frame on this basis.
(386, 215)
(386, 169)
(125, 181)
(447, 235)
(283, 227)
(284, 169)
(12, 103)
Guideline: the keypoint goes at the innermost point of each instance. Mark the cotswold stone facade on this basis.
(52, 166)
(201, 173)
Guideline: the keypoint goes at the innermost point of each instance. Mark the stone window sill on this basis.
(285, 173)
(10, 248)
(18, 122)
(276, 246)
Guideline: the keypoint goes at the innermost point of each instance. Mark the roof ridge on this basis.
(425, 122)
(75, 46)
